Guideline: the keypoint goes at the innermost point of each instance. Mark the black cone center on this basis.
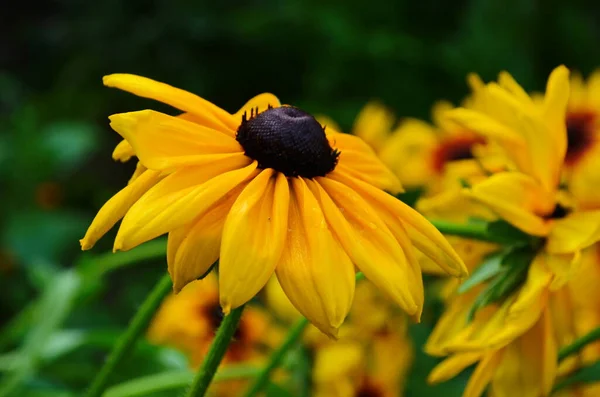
(288, 140)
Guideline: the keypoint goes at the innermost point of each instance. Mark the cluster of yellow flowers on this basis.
(281, 199)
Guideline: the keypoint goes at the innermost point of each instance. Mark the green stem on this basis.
(125, 343)
(276, 358)
(476, 231)
(578, 344)
(217, 351)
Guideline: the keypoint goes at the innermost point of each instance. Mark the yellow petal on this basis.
(328, 123)
(359, 160)
(163, 142)
(424, 236)
(452, 366)
(177, 200)
(139, 170)
(337, 360)
(199, 248)
(518, 199)
(115, 208)
(583, 180)
(373, 124)
(528, 366)
(123, 151)
(208, 114)
(314, 271)
(261, 102)
(506, 81)
(370, 245)
(483, 374)
(555, 108)
(574, 232)
(253, 238)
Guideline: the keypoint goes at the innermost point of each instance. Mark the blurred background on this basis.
(326, 57)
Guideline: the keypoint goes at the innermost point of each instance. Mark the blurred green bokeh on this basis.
(326, 57)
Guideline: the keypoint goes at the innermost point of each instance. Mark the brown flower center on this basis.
(580, 135)
(288, 140)
(455, 148)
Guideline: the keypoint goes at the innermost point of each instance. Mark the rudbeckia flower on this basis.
(266, 190)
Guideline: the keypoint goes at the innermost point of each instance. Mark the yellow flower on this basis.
(188, 322)
(266, 190)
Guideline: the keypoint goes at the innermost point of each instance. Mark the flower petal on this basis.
(397, 215)
(370, 245)
(261, 102)
(116, 208)
(253, 238)
(358, 160)
(163, 142)
(483, 374)
(314, 271)
(374, 124)
(123, 151)
(208, 114)
(555, 109)
(200, 246)
(179, 199)
(453, 366)
(576, 231)
(518, 199)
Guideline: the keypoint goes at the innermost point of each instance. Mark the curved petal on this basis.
(452, 366)
(358, 160)
(314, 271)
(396, 215)
(574, 232)
(123, 151)
(206, 113)
(483, 374)
(253, 238)
(116, 208)
(199, 248)
(370, 245)
(555, 109)
(259, 104)
(518, 199)
(177, 200)
(163, 142)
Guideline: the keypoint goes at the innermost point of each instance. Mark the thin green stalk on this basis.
(278, 355)
(476, 231)
(276, 358)
(579, 344)
(217, 351)
(125, 343)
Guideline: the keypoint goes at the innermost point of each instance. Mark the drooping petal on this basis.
(179, 199)
(253, 238)
(518, 199)
(576, 231)
(116, 208)
(370, 245)
(200, 246)
(396, 215)
(259, 103)
(483, 374)
(528, 366)
(314, 271)
(452, 366)
(358, 160)
(163, 142)
(208, 114)
(123, 151)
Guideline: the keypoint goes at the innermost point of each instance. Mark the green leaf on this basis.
(174, 380)
(588, 374)
(52, 309)
(505, 233)
(490, 267)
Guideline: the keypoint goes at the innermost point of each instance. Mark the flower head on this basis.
(266, 190)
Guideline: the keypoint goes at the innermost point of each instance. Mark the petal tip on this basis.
(85, 244)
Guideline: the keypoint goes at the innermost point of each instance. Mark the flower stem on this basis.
(217, 351)
(579, 344)
(125, 343)
(276, 358)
